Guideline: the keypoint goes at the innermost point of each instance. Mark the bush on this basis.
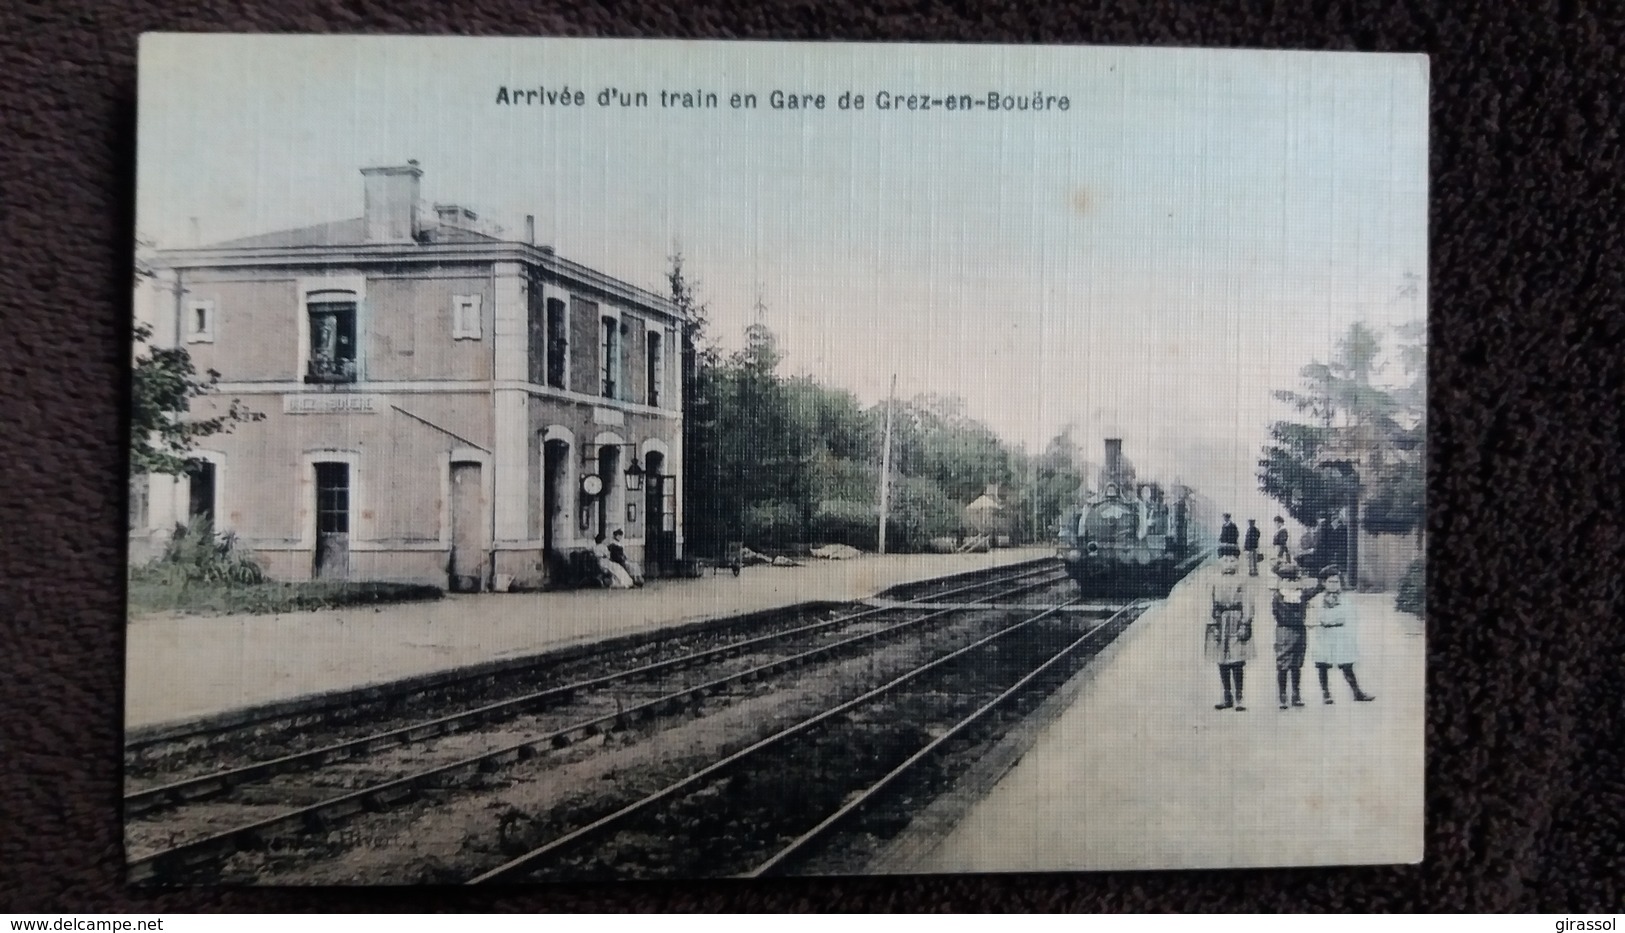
(778, 525)
(769, 525)
(1412, 596)
(194, 554)
(844, 521)
(200, 571)
(846, 513)
(919, 512)
(923, 511)
(148, 595)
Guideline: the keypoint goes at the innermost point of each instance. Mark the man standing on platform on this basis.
(1281, 540)
(1334, 544)
(1229, 538)
(1251, 547)
(1310, 547)
(1290, 606)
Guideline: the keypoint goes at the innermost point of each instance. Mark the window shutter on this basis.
(200, 321)
(465, 317)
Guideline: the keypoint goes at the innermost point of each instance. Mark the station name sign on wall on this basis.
(330, 404)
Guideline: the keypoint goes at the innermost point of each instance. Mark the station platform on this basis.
(184, 667)
(1140, 771)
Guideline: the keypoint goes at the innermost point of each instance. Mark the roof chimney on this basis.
(195, 231)
(530, 229)
(456, 215)
(1114, 457)
(391, 203)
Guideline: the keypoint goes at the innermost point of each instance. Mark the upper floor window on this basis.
(200, 322)
(558, 342)
(332, 339)
(656, 365)
(465, 317)
(609, 357)
(626, 364)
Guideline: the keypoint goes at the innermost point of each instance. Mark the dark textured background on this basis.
(1526, 724)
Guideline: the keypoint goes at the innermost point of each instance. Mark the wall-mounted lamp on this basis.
(634, 475)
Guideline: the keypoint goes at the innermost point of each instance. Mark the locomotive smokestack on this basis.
(1114, 456)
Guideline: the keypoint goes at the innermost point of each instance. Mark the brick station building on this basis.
(435, 399)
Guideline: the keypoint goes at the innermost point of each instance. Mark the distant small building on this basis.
(441, 403)
(988, 514)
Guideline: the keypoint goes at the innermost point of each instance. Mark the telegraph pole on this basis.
(885, 466)
(1038, 532)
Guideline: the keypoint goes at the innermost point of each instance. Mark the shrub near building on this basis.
(1412, 596)
(202, 572)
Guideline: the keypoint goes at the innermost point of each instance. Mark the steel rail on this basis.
(516, 867)
(323, 813)
(796, 845)
(179, 793)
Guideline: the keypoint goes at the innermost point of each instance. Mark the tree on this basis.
(933, 437)
(830, 442)
(163, 384)
(1060, 473)
(1356, 431)
(761, 354)
(1399, 503)
(700, 445)
(1291, 474)
(777, 461)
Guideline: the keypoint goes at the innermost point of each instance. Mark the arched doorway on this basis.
(612, 501)
(660, 515)
(558, 498)
(555, 495)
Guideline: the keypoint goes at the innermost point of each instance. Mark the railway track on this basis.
(1007, 671)
(168, 748)
(384, 767)
(277, 737)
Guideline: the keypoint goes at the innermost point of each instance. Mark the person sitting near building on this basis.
(1336, 643)
(617, 554)
(1229, 538)
(1228, 640)
(611, 575)
(1250, 545)
(1290, 606)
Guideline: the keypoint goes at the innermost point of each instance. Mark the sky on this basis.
(1150, 263)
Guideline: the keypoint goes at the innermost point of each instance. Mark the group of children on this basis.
(1296, 605)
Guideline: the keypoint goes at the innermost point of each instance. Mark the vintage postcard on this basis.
(564, 460)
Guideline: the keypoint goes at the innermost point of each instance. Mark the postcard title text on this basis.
(778, 99)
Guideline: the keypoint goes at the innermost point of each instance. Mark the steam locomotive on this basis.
(1128, 538)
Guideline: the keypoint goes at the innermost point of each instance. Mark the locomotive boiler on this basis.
(1131, 538)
